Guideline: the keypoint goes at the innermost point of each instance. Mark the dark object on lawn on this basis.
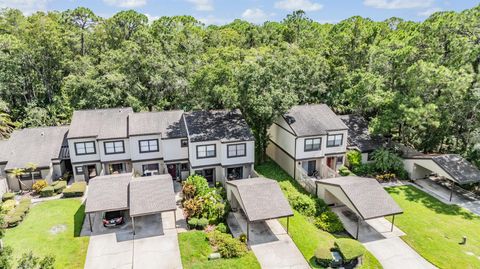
(113, 218)
(337, 259)
(464, 240)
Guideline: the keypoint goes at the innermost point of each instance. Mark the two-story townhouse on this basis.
(308, 139)
(98, 142)
(220, 144)
(159, 144)
(41, 153)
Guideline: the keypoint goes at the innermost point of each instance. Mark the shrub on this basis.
(39, 185)
(344, 171)
(25, 200)
(188, 190)
(243, 238)
(364, 169)
(354, 158)
(386, 177)
(385, 161)
(8, 196)
(213, 207)
(47, 191)
(24, 208)
(200, 184)
(329, 222)
(226, 245)
(76, 190)
(193, 223)
(350, 249)
(59, 186)
(323, 256)
(303, 203)
(8, 205)
(13, 220)
(193, 207)
(221, 228)
(19, 214)
(202, 223)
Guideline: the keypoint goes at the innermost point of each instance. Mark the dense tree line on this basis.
(417, 81)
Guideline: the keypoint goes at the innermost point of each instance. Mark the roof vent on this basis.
(42, 134)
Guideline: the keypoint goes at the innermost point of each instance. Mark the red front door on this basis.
(331, 162)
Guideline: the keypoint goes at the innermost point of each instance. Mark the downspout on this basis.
(295, 160)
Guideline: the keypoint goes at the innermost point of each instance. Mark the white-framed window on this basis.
(84, 148)
(335, 140)
(150, 145)
(312, 144)
(79, 170)
(206, 151)
(114, 147)
(236, 150)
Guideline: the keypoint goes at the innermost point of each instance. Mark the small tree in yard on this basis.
(32, 167)
(17, 173)
(30, 261)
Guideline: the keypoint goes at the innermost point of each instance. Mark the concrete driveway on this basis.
(386, 245)
(271, 244)
(154, 245)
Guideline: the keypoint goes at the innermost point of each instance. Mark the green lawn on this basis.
(303, 232)
(435, 229)
(194, 249)
(35, 234)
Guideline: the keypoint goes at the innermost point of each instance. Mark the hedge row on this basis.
(16, 215)
(76, 190)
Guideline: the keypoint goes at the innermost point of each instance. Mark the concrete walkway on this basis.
(271, 244)
(154, 245)
(383, 242)
(442, 193)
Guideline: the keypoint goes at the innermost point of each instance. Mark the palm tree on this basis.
(32, 167)
(18, 172)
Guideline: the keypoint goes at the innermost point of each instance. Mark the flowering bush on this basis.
(39, 185)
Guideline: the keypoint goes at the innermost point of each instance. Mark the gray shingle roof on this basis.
(458, 168)
(35, 145)
(100, 123)
(358, 134)
(108, 193)
(169, 123)
(224, 125)
(366, 195)
(318, 119)
(262, 198)
(150, 195)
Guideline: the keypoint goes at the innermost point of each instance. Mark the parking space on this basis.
(154, 245)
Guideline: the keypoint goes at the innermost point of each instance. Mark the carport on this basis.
(260, 199)
(107, 193)
(151, 195)
(363, 196)
(142, 196)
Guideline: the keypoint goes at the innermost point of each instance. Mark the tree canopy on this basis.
(416, 81)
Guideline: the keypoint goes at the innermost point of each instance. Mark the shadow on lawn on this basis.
(78, 220)
(415, 195)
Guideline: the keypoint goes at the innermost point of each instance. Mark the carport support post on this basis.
(393, 221)
(90, 222)
(288, 223)
(451, 191)
(133, 225)
(358, 227)
(175, 217)
(248, 230)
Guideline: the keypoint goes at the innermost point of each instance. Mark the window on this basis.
(116, 168)
(334, 140)
(114, 147)
(150, 169)
(236, 150)
(184, 143)
(312, 144)
(339, 161)
(206, 151)
(29, 175)
(84, 148)
(79, 170)
(235, 173)
(184, 166)
(150, 145)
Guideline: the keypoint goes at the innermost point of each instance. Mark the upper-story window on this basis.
(114, 147)
(312, 144)
(236, 150)
(184, 143)
(150, 145)
(84, 148)
(206, 151)
(334, 140)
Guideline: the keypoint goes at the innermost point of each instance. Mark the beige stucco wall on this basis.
(138, 169)
(281, 158)
(334, 195)
(419, 168)
(14, 185)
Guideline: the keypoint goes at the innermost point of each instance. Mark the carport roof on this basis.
(261, 199)
(150, 195)
(108, 193)
(366, 195)
(458, 168)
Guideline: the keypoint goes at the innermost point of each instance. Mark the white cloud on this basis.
(202, 5)
(255, 15)
(126, 3)
(398, 4)
(26, 6)
(305, 5)
(429, 11)
(151, 18)
(213, 20)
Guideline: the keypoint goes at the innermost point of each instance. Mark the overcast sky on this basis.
(256, 11)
